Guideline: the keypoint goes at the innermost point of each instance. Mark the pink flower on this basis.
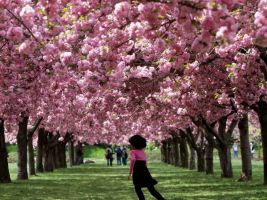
(26, 47)
(27, 14)
(3, 3)
(15, 34)
(122, 9)
(84, 65)
(66, 58)
(27, 11)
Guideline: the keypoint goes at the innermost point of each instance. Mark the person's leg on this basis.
(107, 162)
(139, 193)
(155, 193)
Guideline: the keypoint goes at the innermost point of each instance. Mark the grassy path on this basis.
(98, 182)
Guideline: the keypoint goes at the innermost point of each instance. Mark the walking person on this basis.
(138, 169)
(124, 156)
(109, 155)
(235, 148)
(119, 155)
(252, 149)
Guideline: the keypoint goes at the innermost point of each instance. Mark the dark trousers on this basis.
(109, 162)
(152, 191)
(118, 160)
(124, 161)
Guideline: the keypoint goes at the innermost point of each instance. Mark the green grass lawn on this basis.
(96, 181)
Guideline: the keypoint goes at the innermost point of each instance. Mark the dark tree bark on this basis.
(225, 162)
(209, 151)
(199, 148)
(164, 151)
(200, 161)
(168, 151)
(184, 152)
(192, 163)
(40, 150)
(4, 171)
(62, 150)
(176, 152)
(62, 154)
(224, 150)
(22, 149)
(223, 137)
(245, 147)
(261, 109)
(31, 156)
(78, 153)
(30, 146)
(71, 153)
(209, 159)
(56, 156)
(172, 151)
(49, 145)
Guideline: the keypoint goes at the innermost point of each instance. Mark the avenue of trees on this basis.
(186, 73)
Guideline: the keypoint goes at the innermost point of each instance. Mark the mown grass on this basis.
(99, 182)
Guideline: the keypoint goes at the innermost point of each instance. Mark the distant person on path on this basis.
(138, 169)
(252, 149)
(124, 156)
(119, 155)
(235, 148)
(109, 155)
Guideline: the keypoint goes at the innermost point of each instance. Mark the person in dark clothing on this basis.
(139, 171)
(124, 156)
(119, 155)
(109, 155)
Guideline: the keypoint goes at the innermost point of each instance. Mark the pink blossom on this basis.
(26, 47)
(3, 3)
(66, 58)
(15, 34)
(122, 9)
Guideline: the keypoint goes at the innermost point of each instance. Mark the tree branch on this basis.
(34, 127)
(23, 24)
(213, 132)
(232, 126)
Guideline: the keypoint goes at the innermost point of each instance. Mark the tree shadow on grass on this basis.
(98, 182)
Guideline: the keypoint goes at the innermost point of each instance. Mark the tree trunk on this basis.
(225, 161)
(30, 133)
(262, 113)
(79, 153)
(31, 155)
(168, 151)
(48, 163)
(192, 163)
(4, 171)
(164, 151)
(62, 154)
(172, 159)
(22, 149)
(209, 159)
(56, 157)
(48, 153)
(224, 150)
(176, 152)
(200, 161)
(245, 147)
(71, 153)
(184, 153)
(40, 150)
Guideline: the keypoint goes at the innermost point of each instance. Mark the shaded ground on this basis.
(98, 182)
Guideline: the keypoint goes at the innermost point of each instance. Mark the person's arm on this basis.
(132, 161)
